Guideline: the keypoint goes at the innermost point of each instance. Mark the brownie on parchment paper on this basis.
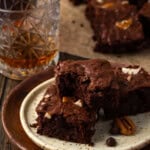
(116, 25)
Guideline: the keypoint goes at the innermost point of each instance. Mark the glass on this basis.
(28, 36)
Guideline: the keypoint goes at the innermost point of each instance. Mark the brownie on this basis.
(116, 25)
(116, 89)
(144, 15)
(70, 107)
(134, 86)
(67, 118)
(93, 81)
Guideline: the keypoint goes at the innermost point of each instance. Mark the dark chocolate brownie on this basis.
(134, 84)
(118, 90)
(116, 25)
(69, 108)
(144, 15)
(90, 80)
(66, 118)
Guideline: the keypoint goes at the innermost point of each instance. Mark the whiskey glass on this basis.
(29, 36)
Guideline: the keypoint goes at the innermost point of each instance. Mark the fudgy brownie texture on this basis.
(116, 25)
(144, 15)
(93, 81)
(118, 90)
(66, 119)
(70, 107)
(134, 83)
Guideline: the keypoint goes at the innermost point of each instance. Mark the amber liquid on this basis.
(29, 63)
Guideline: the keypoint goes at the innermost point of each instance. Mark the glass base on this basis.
(20, 74)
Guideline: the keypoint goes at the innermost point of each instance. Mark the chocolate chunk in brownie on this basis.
(67, 118)
(116, 25)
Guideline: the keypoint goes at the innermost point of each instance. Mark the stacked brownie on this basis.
(70, 106)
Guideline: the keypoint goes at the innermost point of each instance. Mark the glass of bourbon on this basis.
(28, 36)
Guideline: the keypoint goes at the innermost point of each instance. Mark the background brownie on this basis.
(116, 25)
(64, 118)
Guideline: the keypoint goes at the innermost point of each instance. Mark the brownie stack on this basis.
(70, 106)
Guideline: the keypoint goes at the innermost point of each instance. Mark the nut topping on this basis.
(65, 99)
(79, 103)
(124, 24)
(126, 125)
(47, 115)
(131, 71)
(107, 5)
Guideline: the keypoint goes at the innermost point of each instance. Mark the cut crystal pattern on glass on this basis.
(28, 33)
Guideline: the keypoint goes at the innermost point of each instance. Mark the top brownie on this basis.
(90, 80)
(116, 89)
(116, 25)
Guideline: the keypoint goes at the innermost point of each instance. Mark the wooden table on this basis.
(76, 38)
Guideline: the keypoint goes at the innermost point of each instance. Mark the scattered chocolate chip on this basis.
(81, 25)
(73, 21)
(111, 141)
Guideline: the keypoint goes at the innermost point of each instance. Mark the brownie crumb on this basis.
(111, 142)
(73, 21)
(81, 25)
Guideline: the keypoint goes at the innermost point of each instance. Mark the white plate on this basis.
(28, 116)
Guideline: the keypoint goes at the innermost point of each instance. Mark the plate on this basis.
(28, 116)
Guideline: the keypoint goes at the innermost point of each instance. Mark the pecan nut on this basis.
(126, 125)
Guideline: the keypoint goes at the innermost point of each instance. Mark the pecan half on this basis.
(124, 24)
(126, 125)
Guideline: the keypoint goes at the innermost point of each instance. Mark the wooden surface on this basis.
(75, 38)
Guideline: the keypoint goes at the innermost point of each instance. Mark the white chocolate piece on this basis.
(131, 71)
(47, 115)
(79, 103)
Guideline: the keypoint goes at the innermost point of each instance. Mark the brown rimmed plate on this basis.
(11, 108)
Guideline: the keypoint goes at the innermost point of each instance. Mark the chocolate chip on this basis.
(111, 141)
(81, 25)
